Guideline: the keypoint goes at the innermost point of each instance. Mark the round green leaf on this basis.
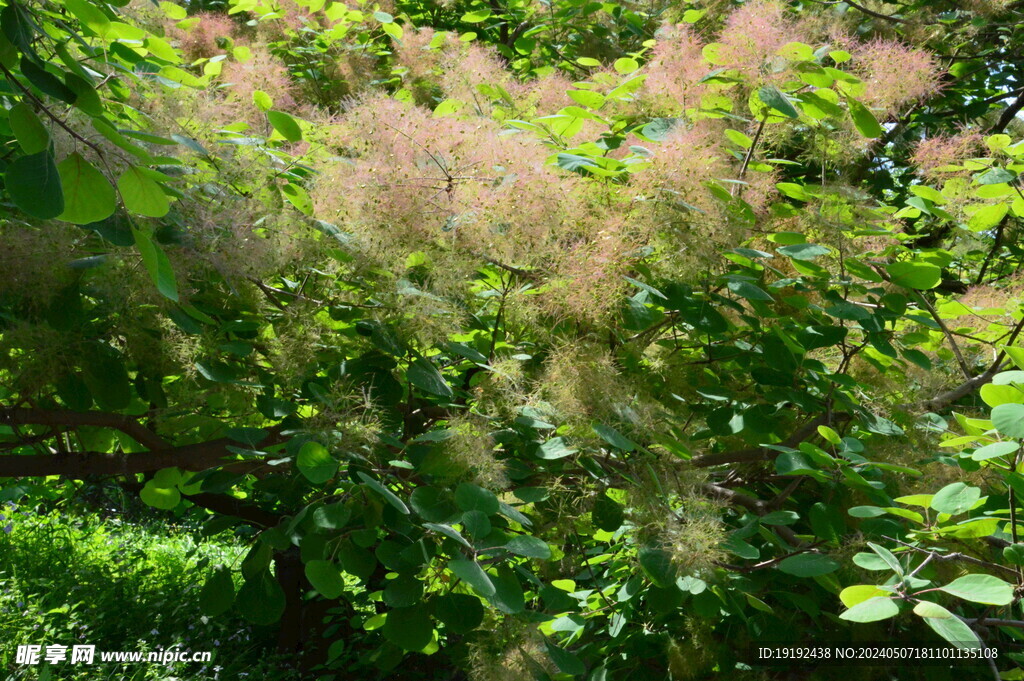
(88, 195)
(261, 599)
(218, 593)
(160, 497)
(657, 565)
(1008, 419)
(956, 497)
(403, 591)
(460, 613)
(141, 194)
(316, 463)
(331, 517)
(33, 184)
(325, 578)
(409, 628)
(915, 275)
(470, 497)
(431, 504)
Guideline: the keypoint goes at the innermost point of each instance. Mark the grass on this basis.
(77, 578)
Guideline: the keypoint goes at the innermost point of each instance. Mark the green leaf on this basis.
(774, 98)
(1008, 419)
(471, 573)
(163, 498)
(477, 16)
(886, 555)
(286, 125)
(808, 565)
(331, 517)
(957, 497)
(388, 495)
(261, 599)
(460, 613)
(554, 449)
(218, 593)
(448, 531)
(657, 565)
(409, 628)
(916, 275)
(32, 135)
(46, 82)
(106, 376)
(316, 463)
(980, 588)
(425, 376)
(566, 662)
(141, 194)
(16, 26)
(745, 289)
(995, 449)
(608, 515)
(470, 497)
(262, 100)
(864, 120)
(947, 625)
(804, 251)
(587, 98)
(872, 610)
(88, 195)
(403, 591)
(326, 578)
(530, 547)
(33, 184)
(614, 437)
(996, 176)
(157, 264)
(431, 504)
(1014, 554)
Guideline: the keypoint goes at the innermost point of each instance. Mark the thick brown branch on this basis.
(70, 419)
(77, 465)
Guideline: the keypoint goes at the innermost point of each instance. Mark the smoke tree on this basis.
(563, 340)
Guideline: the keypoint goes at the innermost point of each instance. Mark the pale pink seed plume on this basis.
(676, 67)
(753, 34)
(199, 41)
(894, 74)
(931, 154)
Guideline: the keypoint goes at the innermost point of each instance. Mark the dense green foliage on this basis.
(518, 339)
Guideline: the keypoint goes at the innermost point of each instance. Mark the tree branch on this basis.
(70, 419)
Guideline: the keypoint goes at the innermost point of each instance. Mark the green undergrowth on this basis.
(69, 579)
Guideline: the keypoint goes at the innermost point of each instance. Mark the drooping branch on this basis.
(1009, 113)
(943, 400)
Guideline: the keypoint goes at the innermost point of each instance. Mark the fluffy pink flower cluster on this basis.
(415, 180)
(199, 41)
(931, 154)
(894, 74)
